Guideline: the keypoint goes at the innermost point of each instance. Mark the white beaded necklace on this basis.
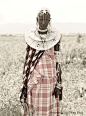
(43, 30)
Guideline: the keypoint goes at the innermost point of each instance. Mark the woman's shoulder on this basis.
(49, 40)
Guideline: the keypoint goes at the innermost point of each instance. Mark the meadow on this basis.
(73, 65)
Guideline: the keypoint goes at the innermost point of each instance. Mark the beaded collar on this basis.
(42, 41)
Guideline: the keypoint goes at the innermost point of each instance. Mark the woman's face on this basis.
(43, 20)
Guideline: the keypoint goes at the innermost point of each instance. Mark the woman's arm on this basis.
(58, 68)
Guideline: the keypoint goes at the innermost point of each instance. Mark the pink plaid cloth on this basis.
(40, 87)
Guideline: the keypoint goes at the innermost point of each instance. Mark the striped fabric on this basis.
(31, 60)
(40, 87)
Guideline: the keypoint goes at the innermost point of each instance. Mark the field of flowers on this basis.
(73, 57)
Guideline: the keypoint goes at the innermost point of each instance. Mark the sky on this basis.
(25, 11)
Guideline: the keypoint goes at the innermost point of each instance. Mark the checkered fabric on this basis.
(31, 60)
(40, 87)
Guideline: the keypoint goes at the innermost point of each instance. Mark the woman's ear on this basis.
(37, 19)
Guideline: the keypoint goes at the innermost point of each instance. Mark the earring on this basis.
(49, 27)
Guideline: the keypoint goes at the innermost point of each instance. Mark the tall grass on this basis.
(12, 56)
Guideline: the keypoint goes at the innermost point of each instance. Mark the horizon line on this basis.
(35, 23)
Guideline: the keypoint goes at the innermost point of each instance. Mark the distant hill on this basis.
(20, 28)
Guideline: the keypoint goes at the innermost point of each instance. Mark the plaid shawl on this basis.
(31, 60)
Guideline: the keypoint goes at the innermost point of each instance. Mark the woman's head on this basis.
(43, 18)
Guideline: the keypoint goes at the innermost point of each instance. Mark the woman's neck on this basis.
(42, 32)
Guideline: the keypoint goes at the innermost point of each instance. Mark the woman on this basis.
(42, 87)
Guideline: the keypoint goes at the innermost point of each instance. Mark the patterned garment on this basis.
(31, 60)
(40, 87)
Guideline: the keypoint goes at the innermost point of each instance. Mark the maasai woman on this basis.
(41, 89)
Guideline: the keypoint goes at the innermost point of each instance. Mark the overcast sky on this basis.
(25, 11)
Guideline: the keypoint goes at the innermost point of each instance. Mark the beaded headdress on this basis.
(42, 41)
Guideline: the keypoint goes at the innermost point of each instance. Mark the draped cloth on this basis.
(31, 60)
(39, 77)
(40, 86)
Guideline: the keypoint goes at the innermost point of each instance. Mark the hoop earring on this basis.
(37, 25)
(49, 27)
